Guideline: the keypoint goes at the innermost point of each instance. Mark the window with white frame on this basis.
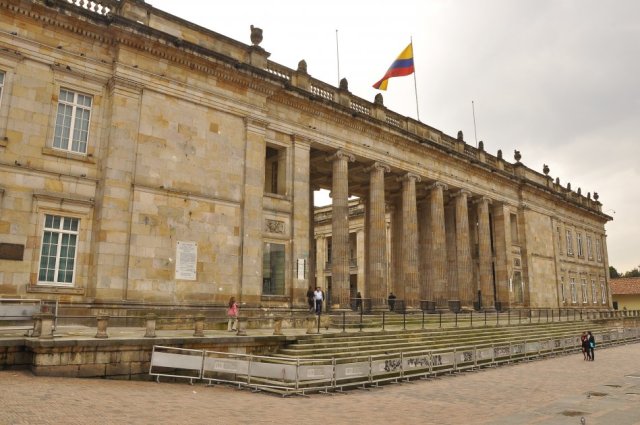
(569, 243)
(585, 293)
(574, 292)
(72, 121)
(579, 242)
(589, 248)
(594, 291)
(58, 252)
(603, 291)
(598, 249)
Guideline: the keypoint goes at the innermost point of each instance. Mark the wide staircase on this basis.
(363, 344)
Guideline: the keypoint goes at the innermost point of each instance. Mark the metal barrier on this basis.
(288, 376)
(176, 363)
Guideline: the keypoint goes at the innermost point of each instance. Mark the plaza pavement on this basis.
(560, 390)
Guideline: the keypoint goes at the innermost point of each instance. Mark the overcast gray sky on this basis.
(558, 80)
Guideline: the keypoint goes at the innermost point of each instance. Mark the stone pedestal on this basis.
(310, 324)
(199, 325)
(103, 323)
(151, 326)
(43, 326)
(277, 326)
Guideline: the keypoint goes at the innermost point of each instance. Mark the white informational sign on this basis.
(302, 265)
(186, 260)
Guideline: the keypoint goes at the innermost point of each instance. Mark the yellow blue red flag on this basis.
(402, 66)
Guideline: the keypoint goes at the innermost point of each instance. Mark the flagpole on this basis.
(475, 132)
(338, 56)
(415, 80)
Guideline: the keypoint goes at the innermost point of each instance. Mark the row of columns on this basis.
(447, 281)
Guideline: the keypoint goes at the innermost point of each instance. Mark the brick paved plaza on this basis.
(552, 391)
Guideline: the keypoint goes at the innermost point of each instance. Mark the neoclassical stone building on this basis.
(146, 161)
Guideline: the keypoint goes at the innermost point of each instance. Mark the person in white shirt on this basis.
(318, 297)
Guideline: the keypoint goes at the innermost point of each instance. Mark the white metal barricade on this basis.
(176, 363)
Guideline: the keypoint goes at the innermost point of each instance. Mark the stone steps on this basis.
(343, 346)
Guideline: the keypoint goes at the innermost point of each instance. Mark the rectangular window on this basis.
(559, 240)
(574, 292)
(72, 121)
(562, 297)
(569, 243)
(589, 248)
(58, 253)
(598, 249)
(579, 241)
(594, 291)
(273, 269)
(585, 294)
(603, 291)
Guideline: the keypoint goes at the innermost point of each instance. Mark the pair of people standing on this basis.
(588, 345)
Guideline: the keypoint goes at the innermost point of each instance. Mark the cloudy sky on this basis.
(558, 80)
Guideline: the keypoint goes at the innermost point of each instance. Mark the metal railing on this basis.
(289, 376)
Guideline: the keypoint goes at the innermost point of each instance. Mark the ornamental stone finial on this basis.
(378, 100)
(481, 145)
(596, 196)
(460, 136)
(302, 66)
(517, 156)
(256, 35)
(545, 169)
(579, 191)
(589, 195)
(568, 186)
(344, 84)
(558, 181)
(499, 153)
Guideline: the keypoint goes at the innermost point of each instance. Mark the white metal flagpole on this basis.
(415, 80)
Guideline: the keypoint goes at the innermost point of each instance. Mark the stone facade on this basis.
(147, 161)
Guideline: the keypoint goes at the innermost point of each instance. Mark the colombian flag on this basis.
(403, 65)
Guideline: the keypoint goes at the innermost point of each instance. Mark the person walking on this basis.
(232, 315)
(584, 340)
(318, 297)
(358, 301)
(392, 301)
(592, 346)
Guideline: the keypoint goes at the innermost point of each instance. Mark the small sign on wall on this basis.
(302, 267)
(186, 260)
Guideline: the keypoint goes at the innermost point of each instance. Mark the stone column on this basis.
(301, 221)
(114, 195)
(452, 260)
(463, 252)
(438, 247)
(340, 230)
(377, 247)
(485, 256)
(409, 258)
(250, 284)
(502, 238)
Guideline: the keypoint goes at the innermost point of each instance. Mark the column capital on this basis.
(481, 199)
(409, 176)
(339, 154)
(460, 192)
(437, 184)
(377, 166)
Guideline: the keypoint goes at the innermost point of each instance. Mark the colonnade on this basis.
(432, 266)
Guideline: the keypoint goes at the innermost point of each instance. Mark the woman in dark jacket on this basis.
(584, 339)
(592, 346)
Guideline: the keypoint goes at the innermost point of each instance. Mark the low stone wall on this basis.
(117, 358)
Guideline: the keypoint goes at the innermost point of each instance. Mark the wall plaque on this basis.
(274, 226)
(11, 251)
